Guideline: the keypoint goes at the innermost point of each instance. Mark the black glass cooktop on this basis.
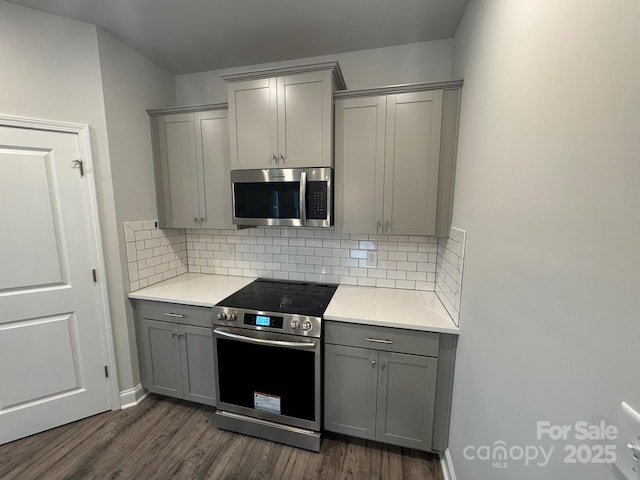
(267, 295)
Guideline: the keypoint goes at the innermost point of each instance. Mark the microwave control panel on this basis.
(317, 200)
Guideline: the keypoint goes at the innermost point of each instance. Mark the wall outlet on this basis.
(372, 258)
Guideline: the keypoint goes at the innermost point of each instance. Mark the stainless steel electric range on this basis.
(267, 342)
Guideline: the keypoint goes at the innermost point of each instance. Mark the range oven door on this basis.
(271, 376)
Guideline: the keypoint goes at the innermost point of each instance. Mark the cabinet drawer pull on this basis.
(377, 340)
(373, 364)
(176, 315)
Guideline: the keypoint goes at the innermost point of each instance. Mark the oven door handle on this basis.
(275, 343)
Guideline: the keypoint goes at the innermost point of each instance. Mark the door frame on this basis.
(90, 205)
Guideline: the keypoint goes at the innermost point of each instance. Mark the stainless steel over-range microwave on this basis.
(292, 197)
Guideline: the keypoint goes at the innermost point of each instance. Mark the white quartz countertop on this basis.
(193, 289)
(389, 307)
(385, 307)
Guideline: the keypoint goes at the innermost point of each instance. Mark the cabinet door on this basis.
(161, 352)
(198, 369)
(360, 126)
(411, 162)
(305, 120)
(350, 390)
(177, 164)
(253, 123)
(406, 397)
(214, 182)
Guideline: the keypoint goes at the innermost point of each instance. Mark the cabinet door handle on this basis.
(174, 335)
(377, 340)
(383, 365)
(274, 158)
(388, 226)
(378, 226)
(195, 219)
(373, 364)
(282, 158)
(176, 315)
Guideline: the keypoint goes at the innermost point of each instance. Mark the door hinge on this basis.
(106, 371)
(95, 276)
(80, 165)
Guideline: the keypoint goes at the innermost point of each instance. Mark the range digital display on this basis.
(263, 320)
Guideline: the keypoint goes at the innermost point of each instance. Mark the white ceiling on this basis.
(196, 35)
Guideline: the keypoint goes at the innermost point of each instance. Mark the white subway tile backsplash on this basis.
(285, 253)
(153, 254)
(396, 275)
(448, 274)
(417, 276)
(350, 244)
(385, 283)
(407, 247)
(406, 284)
(313, 260)
(366, 282)
(143, 234)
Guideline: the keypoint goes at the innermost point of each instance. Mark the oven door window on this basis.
(276, 378)
(267, 200)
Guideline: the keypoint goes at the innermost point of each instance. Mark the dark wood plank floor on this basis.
(164, 438)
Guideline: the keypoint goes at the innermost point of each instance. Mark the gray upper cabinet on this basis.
(393, 175)
(282, 118)
(388, 384)
(176, 350)
(191, 152)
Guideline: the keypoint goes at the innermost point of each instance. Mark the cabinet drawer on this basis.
(382, 338)
(176, 313)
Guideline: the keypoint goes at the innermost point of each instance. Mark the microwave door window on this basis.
(267, 200)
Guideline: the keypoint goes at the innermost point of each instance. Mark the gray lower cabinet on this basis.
(382, 384)
(176, 356)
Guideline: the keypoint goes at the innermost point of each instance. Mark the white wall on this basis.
(131, 85)
(53, 69)
(412, 63)
(547, 186)
(50, 70)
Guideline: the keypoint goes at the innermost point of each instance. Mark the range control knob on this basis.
(295, 324)
(232, 317)
(306, 325)
(222, 316)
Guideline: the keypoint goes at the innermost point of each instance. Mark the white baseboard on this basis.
(447, 466)
(132, 397)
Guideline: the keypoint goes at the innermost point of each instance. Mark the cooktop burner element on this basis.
(266, 295)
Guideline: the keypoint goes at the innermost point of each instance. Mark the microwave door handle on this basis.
(303, 198)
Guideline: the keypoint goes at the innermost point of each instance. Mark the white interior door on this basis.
(52, 352)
